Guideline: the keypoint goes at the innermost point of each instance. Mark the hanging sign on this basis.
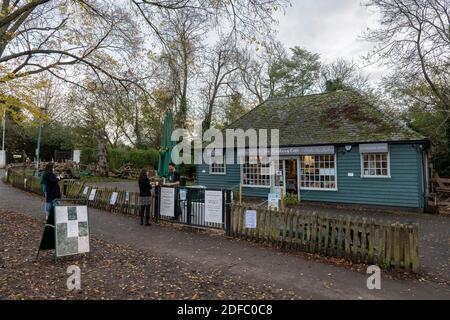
(213, 206)
(373, 147)
(113, 199)
(92, 195)
(183, 195)
(273, 201)
(250, 219)
(167, 207)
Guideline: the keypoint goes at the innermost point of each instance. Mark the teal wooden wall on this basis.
(403, 189)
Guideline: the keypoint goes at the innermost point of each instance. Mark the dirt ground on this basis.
(110, 271)
(253, 267)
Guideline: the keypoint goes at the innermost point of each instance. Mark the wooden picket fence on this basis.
(18, 179)
(73, 189)
(359, 240)
(126, 202)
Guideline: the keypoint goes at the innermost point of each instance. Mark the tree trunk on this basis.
(102, 162)
(447, 130)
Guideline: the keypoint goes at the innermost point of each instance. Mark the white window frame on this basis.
(224, 164)
(221, 173)
(388, 176)
(253, 185)
(300, 164)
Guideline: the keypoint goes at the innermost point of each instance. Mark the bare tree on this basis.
(222, 63)
(60, 36)
(183, 33)
(414, 40)
(256, 67)
(343, 75)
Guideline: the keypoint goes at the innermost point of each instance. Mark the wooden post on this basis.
(240, 194)
(371, 241)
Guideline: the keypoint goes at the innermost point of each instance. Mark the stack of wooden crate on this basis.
(441, 194)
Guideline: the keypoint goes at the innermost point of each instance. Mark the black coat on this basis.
(52, 187)
(144, 187)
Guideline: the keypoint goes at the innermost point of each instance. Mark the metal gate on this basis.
(189, 207)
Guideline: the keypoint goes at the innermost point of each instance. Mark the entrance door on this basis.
(291, 176)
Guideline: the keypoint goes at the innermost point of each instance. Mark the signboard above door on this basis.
(292, 151)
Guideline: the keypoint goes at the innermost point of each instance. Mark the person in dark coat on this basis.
(51, 185)
(144, 196)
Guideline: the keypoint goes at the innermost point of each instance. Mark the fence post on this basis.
(188, 206)
(228, 212)
(156, 207)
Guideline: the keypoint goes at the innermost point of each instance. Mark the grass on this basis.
(103, 179)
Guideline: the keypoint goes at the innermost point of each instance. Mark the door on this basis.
(291, 176)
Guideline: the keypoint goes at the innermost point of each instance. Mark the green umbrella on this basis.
(167, 145)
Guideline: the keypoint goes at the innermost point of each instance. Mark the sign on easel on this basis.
(71, 230)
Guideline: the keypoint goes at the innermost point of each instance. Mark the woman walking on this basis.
(144, 199)
(51, 186)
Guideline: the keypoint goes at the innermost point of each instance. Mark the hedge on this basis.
(139, 158)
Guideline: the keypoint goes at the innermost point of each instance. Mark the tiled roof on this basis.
(329, 118)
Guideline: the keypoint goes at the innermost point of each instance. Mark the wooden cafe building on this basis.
(335, 148)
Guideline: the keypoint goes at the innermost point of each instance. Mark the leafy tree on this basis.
(296, 75)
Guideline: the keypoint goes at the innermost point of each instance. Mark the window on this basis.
(217, 168)
(255, 173)
(375, 165)
(318, 172)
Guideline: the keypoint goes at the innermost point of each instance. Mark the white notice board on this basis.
(113, 199)
(167, 206)
(92, 194)
(213, 206)
(250, 219)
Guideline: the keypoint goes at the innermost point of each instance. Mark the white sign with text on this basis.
(213, 206)
(167, 202)
(92, 195)
(113, 199)
(250, 219)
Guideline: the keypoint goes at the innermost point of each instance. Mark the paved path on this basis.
(434, 230)
(309, 278)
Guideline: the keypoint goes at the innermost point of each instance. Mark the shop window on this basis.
(375, 165)
(318, 172)
(255, 173)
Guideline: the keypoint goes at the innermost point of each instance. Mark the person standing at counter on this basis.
(144, 197)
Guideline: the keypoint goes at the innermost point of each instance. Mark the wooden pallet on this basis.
(440, 198)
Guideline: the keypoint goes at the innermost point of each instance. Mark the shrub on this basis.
(291, 199)
(138, 157)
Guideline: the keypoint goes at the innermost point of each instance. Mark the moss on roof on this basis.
(329, 118)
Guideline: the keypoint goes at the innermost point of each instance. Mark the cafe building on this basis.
(334, 148)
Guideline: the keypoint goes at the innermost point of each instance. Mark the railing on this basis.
(359, 240)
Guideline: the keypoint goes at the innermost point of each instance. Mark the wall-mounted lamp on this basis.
(348, 148)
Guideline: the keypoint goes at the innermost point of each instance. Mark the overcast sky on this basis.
(330, 28)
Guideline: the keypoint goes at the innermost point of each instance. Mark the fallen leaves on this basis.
(110, 271)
